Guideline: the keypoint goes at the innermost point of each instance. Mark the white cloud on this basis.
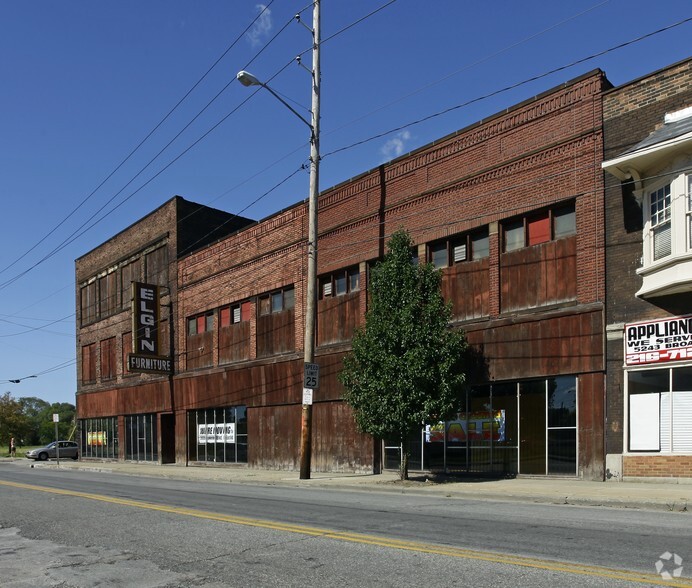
(262, 27)
(396, 145)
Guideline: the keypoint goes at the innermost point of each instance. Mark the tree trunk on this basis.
(405, 454)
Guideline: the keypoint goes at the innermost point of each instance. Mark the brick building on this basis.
(648, 153)
(126, 415)
(510, 209)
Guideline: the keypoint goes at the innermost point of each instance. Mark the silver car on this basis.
(68, 449)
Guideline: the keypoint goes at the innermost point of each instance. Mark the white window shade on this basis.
(644, 422)
(682, 422)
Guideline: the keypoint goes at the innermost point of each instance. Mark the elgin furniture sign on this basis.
(658, 341)
(146, 344)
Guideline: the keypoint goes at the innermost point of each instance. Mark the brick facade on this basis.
(630, 113)
(539, 313)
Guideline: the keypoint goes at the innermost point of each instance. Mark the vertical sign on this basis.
(145, 332)
(145, 317)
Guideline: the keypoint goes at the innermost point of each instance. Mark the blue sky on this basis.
(83, 83)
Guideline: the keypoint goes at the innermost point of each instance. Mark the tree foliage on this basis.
(407, 366)
(30, 420)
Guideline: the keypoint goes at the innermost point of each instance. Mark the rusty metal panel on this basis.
(536, 276)
(276, 333)
(533, 346)
(234, 342)
(199, 351)
(337, 318)
(592, 426)
(467, 286)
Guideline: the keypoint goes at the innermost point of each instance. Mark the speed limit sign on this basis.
(311, 376)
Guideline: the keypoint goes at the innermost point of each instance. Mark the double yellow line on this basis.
(449, 551)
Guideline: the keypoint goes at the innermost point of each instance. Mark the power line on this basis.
(507, 88)
(151, 132)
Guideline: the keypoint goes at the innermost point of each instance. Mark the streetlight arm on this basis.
(247, 79)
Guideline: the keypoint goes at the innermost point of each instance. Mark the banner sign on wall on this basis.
(219, 433)
(145, 332)
(658, 341)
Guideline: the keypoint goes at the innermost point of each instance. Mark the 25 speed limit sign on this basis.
(311, 376)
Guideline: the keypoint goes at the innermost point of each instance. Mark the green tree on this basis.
(407, 367)
(34, 410)
(13, 422)
(46, 429)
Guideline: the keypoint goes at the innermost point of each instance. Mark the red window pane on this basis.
(539, 229)
(225, 316)
(245, 311)
(201, 324)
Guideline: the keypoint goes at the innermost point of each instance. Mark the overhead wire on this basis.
(619, 46)
(85, 227)
(147, 136)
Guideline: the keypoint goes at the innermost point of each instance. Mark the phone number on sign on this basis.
(656, 356)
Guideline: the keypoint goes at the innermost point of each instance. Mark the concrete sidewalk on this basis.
(661, 495)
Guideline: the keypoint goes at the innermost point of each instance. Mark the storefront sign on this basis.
(659, 341)
(145, 317)
(219, 433)
(145, 328)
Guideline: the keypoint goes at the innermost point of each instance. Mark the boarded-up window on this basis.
(156, 266)
(199, 340)
(88, 303)
(108, 362)
(89, 363)
(127, 348)
(108, 294)
(129, 273)
(234, 332)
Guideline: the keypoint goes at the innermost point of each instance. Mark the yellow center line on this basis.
(446, 550)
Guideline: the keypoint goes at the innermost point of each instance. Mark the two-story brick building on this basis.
(511, 211)
(648, 152)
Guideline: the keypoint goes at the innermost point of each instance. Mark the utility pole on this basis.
(311, 296)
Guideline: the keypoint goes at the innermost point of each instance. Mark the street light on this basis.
(247, 79)
(20, 379)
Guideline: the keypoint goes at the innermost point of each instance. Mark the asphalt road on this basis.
(72, 528)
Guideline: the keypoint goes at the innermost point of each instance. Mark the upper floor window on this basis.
(668, 221)
(540, 227)
(341, 282)
(660, 222)
(199, 324)
(156, 266)
(234, 313)
(278, 301)
(467, 247)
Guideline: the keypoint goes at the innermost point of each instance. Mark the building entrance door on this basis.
(532, 428)
(167, 438)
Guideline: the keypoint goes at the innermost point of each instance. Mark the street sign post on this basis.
(56, 420)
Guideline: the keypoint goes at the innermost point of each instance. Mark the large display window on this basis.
(141, 438)
(218, 435)
(99, 438)
(527, 427)
(660, 410)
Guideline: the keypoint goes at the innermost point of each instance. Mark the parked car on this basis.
(67, 449)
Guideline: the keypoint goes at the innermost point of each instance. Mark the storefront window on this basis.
(514, 427)
(99, 438)
(660, 410)
(218, 435)
(141, 440)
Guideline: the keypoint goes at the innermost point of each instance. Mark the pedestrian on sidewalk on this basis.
(13, 447)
